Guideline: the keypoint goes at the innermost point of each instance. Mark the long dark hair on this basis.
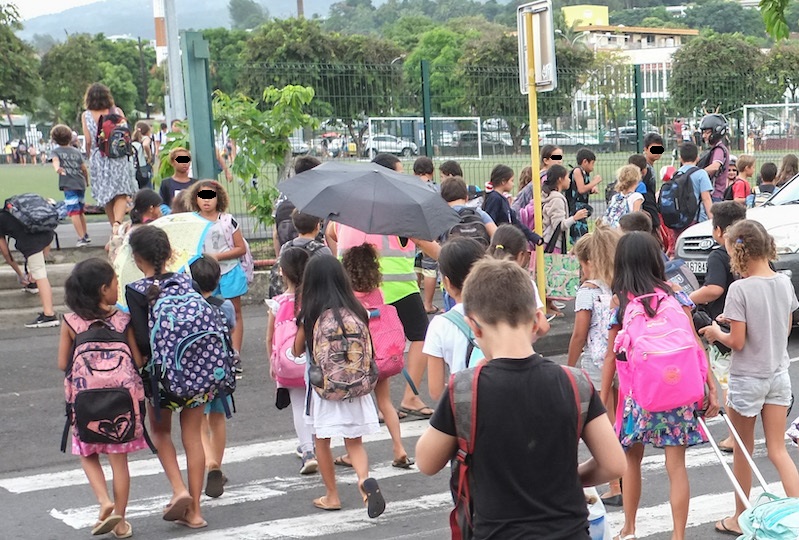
(144, 200)
(325, 286)
(554, 174)
(152, 245)
(82, 288)
(638, 269)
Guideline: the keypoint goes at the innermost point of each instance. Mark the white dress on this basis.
(349, 419)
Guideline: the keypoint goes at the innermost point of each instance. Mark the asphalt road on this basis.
(44, 494)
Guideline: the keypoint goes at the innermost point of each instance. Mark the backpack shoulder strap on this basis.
(460, 321)
(463, 400)
(581, 388)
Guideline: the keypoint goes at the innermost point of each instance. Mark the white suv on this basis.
(388, 144)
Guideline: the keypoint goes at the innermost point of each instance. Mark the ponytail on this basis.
(151, 244)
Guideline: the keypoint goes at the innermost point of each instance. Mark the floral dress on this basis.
(108, 177)
(677, 427)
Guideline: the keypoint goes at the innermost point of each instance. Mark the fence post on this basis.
(196, 54)
(426, 109)
(639, 108)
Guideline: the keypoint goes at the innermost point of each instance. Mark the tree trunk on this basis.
(10, 121)
(283, 170)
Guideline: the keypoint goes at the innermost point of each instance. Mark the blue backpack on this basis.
(677, 202)
(473, 352)
(191, 351)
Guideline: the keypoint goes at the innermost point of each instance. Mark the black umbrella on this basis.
(372, 199)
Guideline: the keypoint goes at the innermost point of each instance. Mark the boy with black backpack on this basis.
(307, 227)
(498, 408)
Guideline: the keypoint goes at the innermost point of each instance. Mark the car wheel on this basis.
(371, 153)
(407, 152)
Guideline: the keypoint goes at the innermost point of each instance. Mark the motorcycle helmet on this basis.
(717, 125)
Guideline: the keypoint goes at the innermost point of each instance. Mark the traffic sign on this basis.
(542, 45)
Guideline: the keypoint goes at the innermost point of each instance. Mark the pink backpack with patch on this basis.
(288, 370)
(102, 386)
(388, 335)
(661, 364)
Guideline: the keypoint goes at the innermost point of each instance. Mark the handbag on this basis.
(562, 271)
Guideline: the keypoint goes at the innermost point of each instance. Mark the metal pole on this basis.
(177, 98)
(535, 157)
(639, 108)
(144, 80)
(426, 109)
(196, 55)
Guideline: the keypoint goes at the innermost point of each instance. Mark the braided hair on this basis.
(151, 244)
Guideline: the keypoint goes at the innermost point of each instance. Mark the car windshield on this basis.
(788, 194)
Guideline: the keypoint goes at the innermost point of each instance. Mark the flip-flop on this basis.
(417, 412)
(403, 463)
(400, 416)
(203, 524)
(127, 534)
(435, 311)
(612, 500)
(106, 525)
(726, 449)
(215, 483)
(321, 503)
(177, 510)
(722, 528)
(375, 503)
(341, 462)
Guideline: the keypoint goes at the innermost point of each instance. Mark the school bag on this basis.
(113, 136)
(473, 352)
(704, 160)
(35, 213)
(388, 335)
(760, 196)
(470, 226)
(144, 173)
(191, 350)
(102, 386)
(246, 260)
(526, 215)
(276, 285)
(342, 359)
(677, 202)
(617, 207)
(661, 364)
(289, 370)
(463, 400)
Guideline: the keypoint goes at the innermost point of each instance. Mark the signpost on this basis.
(536, 31)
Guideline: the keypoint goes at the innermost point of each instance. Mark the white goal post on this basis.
(771, 127)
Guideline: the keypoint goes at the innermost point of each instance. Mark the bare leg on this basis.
(745, 426)
(161, 432)
(237, 335)
(324, 456)
(774, 417)
(80, 228)
(94, 473)
(417, 362)
(383, 394)
(45, 296)
(679, 489)
(631, 495)
(119, 465)
(429, 291)
(360, 461)
(191, 423)
(215, 435)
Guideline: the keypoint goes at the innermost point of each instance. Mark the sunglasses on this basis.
(733, 170)
(657, 149)
(556, 157)
(207, 194)
(183, 159)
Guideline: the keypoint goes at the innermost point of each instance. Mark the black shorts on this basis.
(413, 316)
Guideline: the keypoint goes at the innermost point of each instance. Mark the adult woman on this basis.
(112, 179)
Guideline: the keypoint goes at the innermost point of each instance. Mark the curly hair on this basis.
(98, 97)
(599, 247)
(628, 177)
(151, 245)
(82, 288)
(748, 240)
(363, 267)
(61, 134)
(222, 199)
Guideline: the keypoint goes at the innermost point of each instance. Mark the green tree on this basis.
(352, 16)
(124, 53)
(407, 30)
(719, 69)
(246, 14)
(783, 66)
(226, 48)
(156, 86)
(43, 42)
(725, 17)
(19, 77)
(67, 70)
(774, 15)
(611, 80)
(443, 48)
(119, 80)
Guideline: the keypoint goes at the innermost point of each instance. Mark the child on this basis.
(363, 269)
(767, 186)
(73, 178)
(147, 206)
(206, 272)
(711, 297)
(507, 242)
(639, 270)
(151, 251)
(759, 310)
(589, 340)
(580, 187)
(180, 159)
(550, 155)
(225, 243)
(292, 266)
(626, 199)
(740, 190)
(307, 227)
(142, 146)
(521, 397)
(326, 287)
(788, 169)
(497, 206)
(635, 221)
(91, 293)
(447, 345)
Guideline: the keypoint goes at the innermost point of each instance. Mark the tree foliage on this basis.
(782, 67)
(67, 70)
(226, 47)
(774, 15)
(123, 55)
(725, 17)
(246, 14)
(19, 77)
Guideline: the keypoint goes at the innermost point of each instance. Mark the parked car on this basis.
(779, 215)
(492, 144)
(298, 146)
(389, 144)
(569, 142)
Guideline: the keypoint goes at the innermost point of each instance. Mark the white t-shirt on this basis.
(216, 242)
(631, 199)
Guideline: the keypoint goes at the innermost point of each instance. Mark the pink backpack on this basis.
(102, 386)
(388, 335)
(659, 360)
(289, 370)
(527, 215)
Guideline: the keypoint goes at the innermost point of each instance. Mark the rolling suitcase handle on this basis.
(748, 457)
(738, 489)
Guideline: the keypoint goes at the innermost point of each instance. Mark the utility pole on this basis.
(144, 81)
(300, 9)
(175, 100)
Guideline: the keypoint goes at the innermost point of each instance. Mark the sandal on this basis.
(321, 503)
(403, 463)
(106, 525)
(342, 462)
(375, 503)
(127, 534)
(721, 527)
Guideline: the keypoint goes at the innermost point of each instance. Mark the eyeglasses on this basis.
(207, 194)
(556, 157)
(183, 159)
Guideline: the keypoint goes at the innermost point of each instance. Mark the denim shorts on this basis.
(232, 284)
(74, 201)
(747, 395)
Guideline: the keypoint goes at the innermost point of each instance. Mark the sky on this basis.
(33, 8)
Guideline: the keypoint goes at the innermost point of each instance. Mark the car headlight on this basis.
(786, 238)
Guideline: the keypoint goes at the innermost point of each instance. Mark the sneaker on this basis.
(309, 463)
(44, 321)
(82, 242)
(299, 452)
(31, 288)
(87, 239)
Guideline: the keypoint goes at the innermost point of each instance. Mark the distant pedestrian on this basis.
(22, 152)
(766, 188)
(714, 129)
(143, 154)
(550, 155)
(582, 185)
(8, 153)
(73, 178)
(788, 169)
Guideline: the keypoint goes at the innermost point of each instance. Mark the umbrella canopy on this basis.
(372, 199)
(186, 232)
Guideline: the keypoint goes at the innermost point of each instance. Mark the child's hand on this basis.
(710, 333)
(711, 405)
(597, 179)
(61, 171)
(582, 213)
(721, 319)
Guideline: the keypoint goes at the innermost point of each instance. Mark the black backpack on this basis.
(728, 194)
(677, 202)
(470, 226)
(276, 286)
(704, 161)
(33, 211)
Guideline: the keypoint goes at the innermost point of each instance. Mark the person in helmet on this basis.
(717, 160)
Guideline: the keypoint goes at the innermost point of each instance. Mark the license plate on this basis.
(697, 267)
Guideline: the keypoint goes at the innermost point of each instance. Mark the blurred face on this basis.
(555, 159)
(732, 172)
(398, 167)
(206, 199)
(653, 152)
(182, 163)
(706, 134)
(589, 166)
